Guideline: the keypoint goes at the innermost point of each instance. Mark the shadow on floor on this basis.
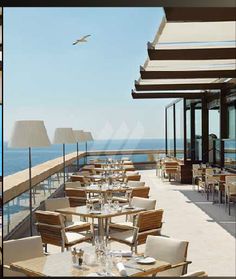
(216, 213)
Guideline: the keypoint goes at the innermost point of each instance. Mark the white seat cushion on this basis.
(73, 185)
(166, 249)
(73, 237)
(126, 236)
(145, 203)
(120, 199)
(195, 274)
(135, 184)
(77, 224)
(114, 225)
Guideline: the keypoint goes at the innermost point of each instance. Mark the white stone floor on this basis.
(211, 247)
(188, 216)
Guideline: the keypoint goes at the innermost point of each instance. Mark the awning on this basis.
(194, 49)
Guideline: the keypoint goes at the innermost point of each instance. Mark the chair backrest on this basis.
(230, 178)
(209, 171)
(169, 250)
(150, 220)
(195, 274)
(21, 249)
(136, 183)
(129, 167)
(57, 203)
(195, 166)
(141, 192)
(230, 189)
(145, 203)
(80, 178)
(51, 227)
(75, 184)
(79, 193)
(76, 197)
(133, 177)
(125, 158)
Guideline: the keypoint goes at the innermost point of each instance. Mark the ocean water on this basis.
(17, 159)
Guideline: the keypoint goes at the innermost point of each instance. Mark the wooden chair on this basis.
(70, 223)
(89, 169)
(77, 197)
(74, 185)
(146, 223)
(211, 182)
(230, 191)
(169, 250)
(134, 176)
(196, 274)
(81, 178)
(170, 169)
(146, 204)
(196, 174)
(20, 250)
(135, 184)
(129, 167)
(142, 192)
(51, 227)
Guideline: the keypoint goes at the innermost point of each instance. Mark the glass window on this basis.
(232, 121)
(179, 123)
(198, 131)
(188, 133)
(214, 134)
(170, 131)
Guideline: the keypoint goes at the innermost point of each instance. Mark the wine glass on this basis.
(109, 198)
(116, 205)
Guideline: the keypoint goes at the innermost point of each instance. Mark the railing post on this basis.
(30, 195)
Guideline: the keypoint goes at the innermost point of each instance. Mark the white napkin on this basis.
(121, 269)
(124, 253)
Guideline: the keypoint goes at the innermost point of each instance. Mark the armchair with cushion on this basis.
(146, 223)
(170, 250)
(51, 227)
(71, 224)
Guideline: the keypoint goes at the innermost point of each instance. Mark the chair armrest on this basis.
(181, 264)
(122, 227)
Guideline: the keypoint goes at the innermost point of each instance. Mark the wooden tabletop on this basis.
(61, 265)
(85, 212)
(104, 189)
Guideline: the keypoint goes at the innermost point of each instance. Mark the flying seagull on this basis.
(81, 40)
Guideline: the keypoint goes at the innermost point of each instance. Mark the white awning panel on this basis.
(191, 65)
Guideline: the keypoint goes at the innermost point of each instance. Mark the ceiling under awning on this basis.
(194, 49)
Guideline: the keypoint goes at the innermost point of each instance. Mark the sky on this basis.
(87, 86)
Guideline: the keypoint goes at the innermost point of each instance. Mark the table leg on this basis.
(100, 229)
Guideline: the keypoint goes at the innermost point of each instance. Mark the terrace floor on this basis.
(189, 216)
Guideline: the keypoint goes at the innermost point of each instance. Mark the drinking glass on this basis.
(129, 194)
(109, 197)
(116, 205)
(106, 207)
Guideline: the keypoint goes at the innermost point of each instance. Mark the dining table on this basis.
(103, 215)
(105, 189)
(62, 265)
